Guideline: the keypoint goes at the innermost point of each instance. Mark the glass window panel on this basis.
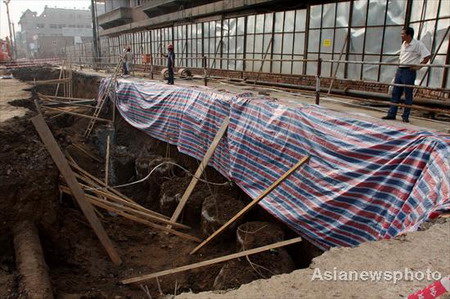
(374, 38)
(445, 8)
(313, 40)
(416, 10)
(299, 43)
(315, 16)
(297, 67)
(267, 38)
(250, 43)
(288, 43)
(343, 13)
(265, 66)
(241, 26)
(357, 40)
(370, 71)
(259, 23)
(289, 18)
(276, 65)
(431, 11)
(396, 12)
(232, 43)
(388, 71)
(258, 43)
(359, 13)
(277, 43)
(326, 66)
(257, 64)
(232, 26)
(436, 74)
(329, 12)
(377, 9)
(250, 24)
(339, 40)
(427, 33)
(300, 20)
(442, 27)
(326, 44)
(279, 20)
(311, 67)
(240, 44)
(286, 66)
(354, 70)
(268, 23)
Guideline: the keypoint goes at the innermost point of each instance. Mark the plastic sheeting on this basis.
(366, 179)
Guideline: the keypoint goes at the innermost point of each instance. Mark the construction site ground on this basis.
(79, 267)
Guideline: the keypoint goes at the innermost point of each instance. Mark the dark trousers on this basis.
(403, 76)
(170, 79)
(125, 68)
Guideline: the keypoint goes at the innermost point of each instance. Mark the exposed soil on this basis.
(78, 264)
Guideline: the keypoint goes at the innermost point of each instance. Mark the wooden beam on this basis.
(251, 204)
(212, 261)
(78, 114)
(200, 169)
(129, 209)
(63, 166)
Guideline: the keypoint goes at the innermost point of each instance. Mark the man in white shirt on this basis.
(412, 52)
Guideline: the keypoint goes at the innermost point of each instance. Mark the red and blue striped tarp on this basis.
(366, 180)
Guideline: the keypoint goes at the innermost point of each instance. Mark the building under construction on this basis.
(268, 168)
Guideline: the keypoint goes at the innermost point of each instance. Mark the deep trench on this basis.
(77, 262)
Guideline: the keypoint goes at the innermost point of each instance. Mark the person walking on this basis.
(412, 52)
(126, 59)
(170, 63)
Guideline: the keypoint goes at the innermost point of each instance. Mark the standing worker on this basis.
(412, 52)
(126, 58)
(170, 63)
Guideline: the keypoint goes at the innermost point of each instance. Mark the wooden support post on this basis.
(60, 76)
(250, 205)
(212, 261)
(63, 166)
(200, 169)
(107, 161)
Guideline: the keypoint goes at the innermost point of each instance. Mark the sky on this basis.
(17, 7)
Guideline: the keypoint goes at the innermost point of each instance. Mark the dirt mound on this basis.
(28, 176)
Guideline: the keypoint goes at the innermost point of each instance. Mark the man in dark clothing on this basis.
(170, 63)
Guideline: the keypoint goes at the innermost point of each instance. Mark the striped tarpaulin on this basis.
(366, 180)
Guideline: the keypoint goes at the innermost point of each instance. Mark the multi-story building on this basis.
(282, 38)
(46, 35)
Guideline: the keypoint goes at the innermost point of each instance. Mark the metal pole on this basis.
(205, 70)
(14, 36)
(319, 70)
(94, 33)
(11, 45)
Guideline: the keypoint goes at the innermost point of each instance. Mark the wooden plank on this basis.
(129, 209)
(63, 166)
(120, 200)
(108, 206)
(200, 169)
(78, 114)
(251, 204)
(212, 261)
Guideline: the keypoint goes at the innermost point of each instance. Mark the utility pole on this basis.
(15, 40)
(11, 45)
(94, 33)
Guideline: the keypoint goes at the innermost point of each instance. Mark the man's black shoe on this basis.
(405, 120)
(388, 117)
